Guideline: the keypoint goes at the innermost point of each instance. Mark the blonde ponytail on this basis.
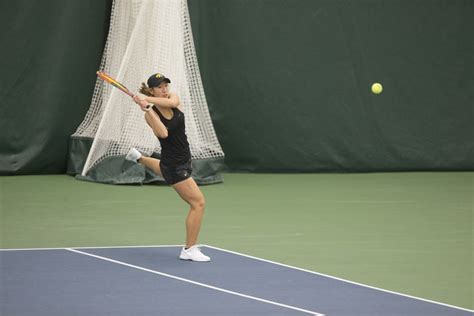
(144, 89)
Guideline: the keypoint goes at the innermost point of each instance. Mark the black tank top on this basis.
(175, 147)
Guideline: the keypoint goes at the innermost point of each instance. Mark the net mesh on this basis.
(146, 36)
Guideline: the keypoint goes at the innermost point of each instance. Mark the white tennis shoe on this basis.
(194, 254)
(133, 155)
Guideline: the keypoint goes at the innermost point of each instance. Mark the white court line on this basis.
(102, 247)
(339, 279)
(196, 283)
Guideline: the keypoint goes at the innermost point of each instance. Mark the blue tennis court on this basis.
(151, 280)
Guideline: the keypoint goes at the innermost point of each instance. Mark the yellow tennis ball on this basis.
(377, 88)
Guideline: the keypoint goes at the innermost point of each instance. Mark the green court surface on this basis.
(405, 232)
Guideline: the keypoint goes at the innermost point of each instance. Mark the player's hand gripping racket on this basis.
(118, 85)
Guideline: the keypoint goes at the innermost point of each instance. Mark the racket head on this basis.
(105, 77)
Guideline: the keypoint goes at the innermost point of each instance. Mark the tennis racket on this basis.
(102, 75)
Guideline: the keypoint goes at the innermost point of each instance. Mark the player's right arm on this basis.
(159, 129)
(152, 118)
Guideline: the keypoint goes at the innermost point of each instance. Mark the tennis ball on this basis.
(377, 88)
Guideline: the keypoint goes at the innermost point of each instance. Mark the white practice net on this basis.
(145, 37)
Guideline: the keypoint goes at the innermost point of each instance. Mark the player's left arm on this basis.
(172, 101)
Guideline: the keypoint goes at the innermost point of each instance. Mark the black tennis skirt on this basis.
(176, 173)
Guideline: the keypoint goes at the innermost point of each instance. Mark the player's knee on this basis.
(199, 204)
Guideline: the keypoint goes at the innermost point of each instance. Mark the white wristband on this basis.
(148, 107)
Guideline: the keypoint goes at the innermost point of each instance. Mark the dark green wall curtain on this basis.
(50, 50)
(288, 83)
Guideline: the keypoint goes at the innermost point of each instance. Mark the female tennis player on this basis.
(166, 119)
